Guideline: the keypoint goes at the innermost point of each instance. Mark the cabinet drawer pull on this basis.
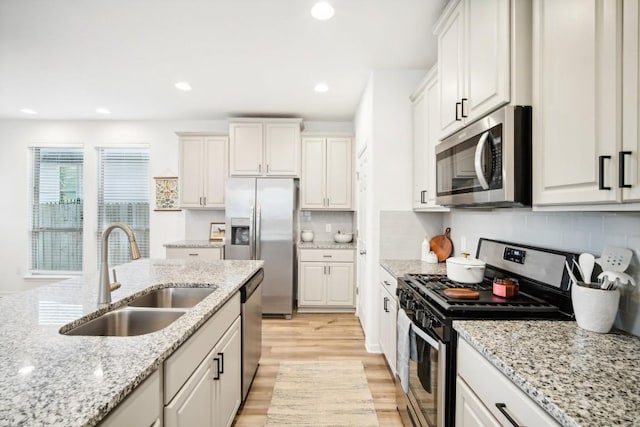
(221, 362)
(464, 101)
(458, 104)
(386, 283)
(502, 407)
(217, 377)
(194, 254)
(327, 256)
(621, 159)
(601, 185)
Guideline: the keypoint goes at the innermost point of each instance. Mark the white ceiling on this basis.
(65, 58)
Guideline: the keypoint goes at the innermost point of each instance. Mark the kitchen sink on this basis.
(127, 322)
(172, 297)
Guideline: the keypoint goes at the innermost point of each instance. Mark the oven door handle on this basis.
(422, 334)
(478, 161)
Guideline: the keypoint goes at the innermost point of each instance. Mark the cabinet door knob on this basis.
(217, 377)
(601, 185)
(386, 309)
(363, 252)
(458, 104)
(260, 168)
(423, 195)
(221, 362)
(621, 174)
(462, 109)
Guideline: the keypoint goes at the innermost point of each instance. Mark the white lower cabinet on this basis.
(203, 381)
(387, 318)
(326, 280)
(486, 397)
(140, 408)
(207, 254)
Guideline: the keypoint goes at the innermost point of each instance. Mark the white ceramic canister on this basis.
(595, 309)
(306, 235)
(465, 270)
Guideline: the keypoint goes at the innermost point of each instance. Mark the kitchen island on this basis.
(50, 379)
(580, 378)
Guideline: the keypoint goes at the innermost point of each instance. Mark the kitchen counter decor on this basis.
(579, 377)
(51, 379)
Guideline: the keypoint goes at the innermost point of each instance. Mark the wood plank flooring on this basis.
(316, 337)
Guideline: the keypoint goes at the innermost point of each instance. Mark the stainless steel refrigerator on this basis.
(260, 222)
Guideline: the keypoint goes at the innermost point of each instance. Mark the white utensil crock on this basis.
(595, 309)
(306, 236)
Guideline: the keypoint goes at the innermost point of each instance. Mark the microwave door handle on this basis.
(478, 161)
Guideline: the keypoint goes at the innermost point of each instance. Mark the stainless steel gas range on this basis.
(543, 294)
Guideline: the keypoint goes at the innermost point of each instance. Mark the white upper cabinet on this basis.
(426, 117)
(474, 68)
(327, 169)
(203, 170)
(630, 102)
(264, 147)
(576, 102)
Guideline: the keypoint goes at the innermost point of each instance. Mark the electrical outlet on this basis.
(327, 228)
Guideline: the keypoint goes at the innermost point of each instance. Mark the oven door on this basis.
(427, 379)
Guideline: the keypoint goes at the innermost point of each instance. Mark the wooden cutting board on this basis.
(462, 293)
(442, 245)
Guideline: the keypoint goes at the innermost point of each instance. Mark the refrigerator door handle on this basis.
(258, 231)
(252, 240)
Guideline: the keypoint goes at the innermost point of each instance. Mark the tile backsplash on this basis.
(572, 231)
(402, 233)
(317, 222)
(198, 223)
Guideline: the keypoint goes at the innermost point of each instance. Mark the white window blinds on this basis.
(56, 214)
(123, 196)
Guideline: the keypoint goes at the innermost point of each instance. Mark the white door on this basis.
(575, 101)
(339, 172)
(282, 149)
(487, 62)
(363, 200)
(194, 403)
(450, 71)
(191, 171)
(228, 388)
(216, 170)
(631, 100)
(312, 182)
(470, 411)
(245, 149)
(340, 284)
(312, 283)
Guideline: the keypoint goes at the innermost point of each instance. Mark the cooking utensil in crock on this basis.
(465, 270)
(615, 259)
(442, 245)
(586, 262)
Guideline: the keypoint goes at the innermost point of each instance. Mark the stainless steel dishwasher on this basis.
(251, 297)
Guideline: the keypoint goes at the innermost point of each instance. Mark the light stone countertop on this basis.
(326, 245)
(580, 378)
(51, 379)
(194, 244)
(399, 268)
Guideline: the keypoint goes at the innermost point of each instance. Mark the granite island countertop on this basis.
(330, 244)
(580, 378)
(399, 268)
(194, 244)
(51, 379)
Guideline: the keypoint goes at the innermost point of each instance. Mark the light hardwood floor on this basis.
(316, 337)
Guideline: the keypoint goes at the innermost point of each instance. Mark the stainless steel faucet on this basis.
(106, 287)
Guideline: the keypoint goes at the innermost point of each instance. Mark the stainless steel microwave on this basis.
(487, 163)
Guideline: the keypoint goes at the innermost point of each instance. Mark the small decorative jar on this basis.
(306, 235)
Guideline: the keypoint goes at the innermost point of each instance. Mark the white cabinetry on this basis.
(631, 101)
(203, 170)
(425, 138)
(326, 280)
(576, 101)
(140, 408)
(208, 254)
(474, 59)
(485, 397)
(388, 317)
(264, 147)
(327, 169)
(202, 381)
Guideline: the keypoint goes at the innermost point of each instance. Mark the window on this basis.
(56, 214)
(123, 196)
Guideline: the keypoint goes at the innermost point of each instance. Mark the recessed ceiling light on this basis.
(322, 11)
(29, 111)
(321, 87)
(102, 111)
(183, 86)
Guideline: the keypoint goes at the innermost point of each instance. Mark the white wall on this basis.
(572, 231)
